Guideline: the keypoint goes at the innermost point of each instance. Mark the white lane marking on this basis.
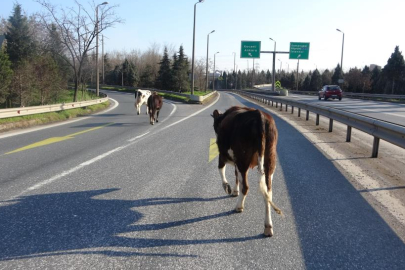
(19, 132)
(391, 204)
(137, 137)
(97, 158)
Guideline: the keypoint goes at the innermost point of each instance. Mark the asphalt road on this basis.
(113, 192)
(385, 111)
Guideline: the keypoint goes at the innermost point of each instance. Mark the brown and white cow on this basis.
(247, 138)
(141, 98)
(155, 103)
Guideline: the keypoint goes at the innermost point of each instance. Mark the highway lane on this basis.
(155, 202)
(385, 111)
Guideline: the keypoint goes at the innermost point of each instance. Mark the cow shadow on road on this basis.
(337, 227)
(74, 222)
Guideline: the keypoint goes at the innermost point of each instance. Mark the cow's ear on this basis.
(215, 114)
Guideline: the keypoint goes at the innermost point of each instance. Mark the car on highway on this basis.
(330, 91)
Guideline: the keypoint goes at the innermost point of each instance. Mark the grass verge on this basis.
(11, 123)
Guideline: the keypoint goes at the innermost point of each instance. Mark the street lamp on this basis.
(97, 71)
(281, 65)
(234, 56)
(343, 42)
(206, 66)
(274, 65)
(213, 75)
(192, 61)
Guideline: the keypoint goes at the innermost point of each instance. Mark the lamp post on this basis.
(343, 43)
(213, 74)
(274, 65)
(97, 71)
(192, 61)
(206, 66)
(234, 56)
(281, 65)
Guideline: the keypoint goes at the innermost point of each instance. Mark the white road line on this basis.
(100, 157)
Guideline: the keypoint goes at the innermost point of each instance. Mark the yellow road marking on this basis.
(213, 150)
(55, 139)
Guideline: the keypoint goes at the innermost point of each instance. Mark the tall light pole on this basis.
(206, 66)
(281, 65)
(192, 61)
(97, 71)
(274, 65)
(213, 74)
(343, 43)
(234, 71)
(102, 56)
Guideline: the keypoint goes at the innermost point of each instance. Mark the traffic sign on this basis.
(299, 50)
(250, 49)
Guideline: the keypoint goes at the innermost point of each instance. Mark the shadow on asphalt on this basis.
(337, 227)
(64, 223)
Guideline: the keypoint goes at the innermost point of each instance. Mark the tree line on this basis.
(43, 54)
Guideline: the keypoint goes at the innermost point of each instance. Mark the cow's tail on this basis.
(268, 143)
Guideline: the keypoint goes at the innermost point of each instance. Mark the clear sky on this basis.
(372, 29)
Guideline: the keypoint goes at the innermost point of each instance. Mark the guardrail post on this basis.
(376, 144)
(286, 107)
(281, 106)
(307, 118)
(349, 134)
(317, 119)
(330, 124)
(276, 104)
(292, 109)
(299, 112)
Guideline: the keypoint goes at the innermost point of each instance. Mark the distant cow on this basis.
(247, 138)
(155, 103)
(141, 97)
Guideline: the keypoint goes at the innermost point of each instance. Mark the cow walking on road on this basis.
(247, 138)
(155, 103)
(141, 97)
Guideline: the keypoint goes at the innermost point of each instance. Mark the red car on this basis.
(330, 91)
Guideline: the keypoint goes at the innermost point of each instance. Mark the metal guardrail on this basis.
(21, 111)
(389, 132)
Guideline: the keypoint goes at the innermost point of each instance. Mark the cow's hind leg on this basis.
(244, 187)
(235, 190)
(221, 169)
(267, 192)
(157, 116)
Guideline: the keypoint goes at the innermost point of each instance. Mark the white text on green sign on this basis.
(299, 50)
(250, 49)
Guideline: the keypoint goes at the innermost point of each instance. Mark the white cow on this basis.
(141, 98)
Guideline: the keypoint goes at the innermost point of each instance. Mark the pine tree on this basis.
(316, 81)
(183, 81)
(163, 80)
(20, 45)
(337, 74)
(5, 78)
(146, 79)
(394, 68)
(306, 85)
(326, 77)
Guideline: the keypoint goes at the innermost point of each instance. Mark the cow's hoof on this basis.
(138, 113)
(157, 121)
(227, 188)
(238, 210)
(235, 193)
(268, 231)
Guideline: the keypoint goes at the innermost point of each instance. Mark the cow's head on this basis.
(217, 120)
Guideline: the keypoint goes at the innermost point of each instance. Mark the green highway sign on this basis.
(299, 50)
(250, 49)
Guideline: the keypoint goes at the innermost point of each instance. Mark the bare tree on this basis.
(78, 31)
